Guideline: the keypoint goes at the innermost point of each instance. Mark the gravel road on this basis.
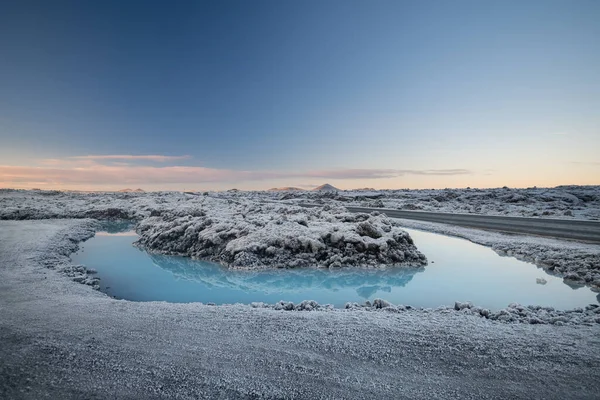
(587, 231)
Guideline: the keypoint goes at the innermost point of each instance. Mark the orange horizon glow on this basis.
(108, 173)
(229, 181)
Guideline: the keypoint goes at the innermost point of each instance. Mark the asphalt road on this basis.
(588, 231)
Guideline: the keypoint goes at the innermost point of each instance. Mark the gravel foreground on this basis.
(59, 339)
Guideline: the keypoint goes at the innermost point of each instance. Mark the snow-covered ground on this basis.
(59, 339)
(567, 202)
(38, 204)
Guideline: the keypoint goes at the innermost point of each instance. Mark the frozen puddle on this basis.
(458, 270)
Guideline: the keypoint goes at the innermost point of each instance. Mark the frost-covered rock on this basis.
(458, 306)
(284, 305)
(514, 313)
(380, 303)
(80, 274)
(254, 236)
(307, 305)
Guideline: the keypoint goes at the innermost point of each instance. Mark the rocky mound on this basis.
(256, 236)
(326, 188)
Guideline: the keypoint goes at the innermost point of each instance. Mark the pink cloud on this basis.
(70, 163)
(154, 157)
(379, 173)
(99, 174)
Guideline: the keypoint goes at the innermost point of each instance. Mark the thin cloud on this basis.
(586, 162)
(68, 162)
(152, 157)
(379, 173)
(438, 172)
(139, 175)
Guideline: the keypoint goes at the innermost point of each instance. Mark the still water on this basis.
(458, 270)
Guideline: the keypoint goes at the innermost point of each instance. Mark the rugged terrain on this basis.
(254, 235)
(236, 228)
(579, 202)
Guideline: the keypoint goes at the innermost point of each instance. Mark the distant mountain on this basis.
(284, 189)
(326, 188)
(131, 190)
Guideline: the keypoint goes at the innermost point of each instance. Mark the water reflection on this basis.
(121, 227)
(366, 282)
(462, 271)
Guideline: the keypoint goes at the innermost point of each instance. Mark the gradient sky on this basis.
(254, 94)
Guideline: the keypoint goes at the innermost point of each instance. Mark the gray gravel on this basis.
(60, 339)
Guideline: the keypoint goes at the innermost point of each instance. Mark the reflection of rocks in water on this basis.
(113, 227)
(367, 282)
(573, 284)
(367, 291)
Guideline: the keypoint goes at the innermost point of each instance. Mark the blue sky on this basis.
(444, 93)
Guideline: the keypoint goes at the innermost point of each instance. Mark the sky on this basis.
(193, 95)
